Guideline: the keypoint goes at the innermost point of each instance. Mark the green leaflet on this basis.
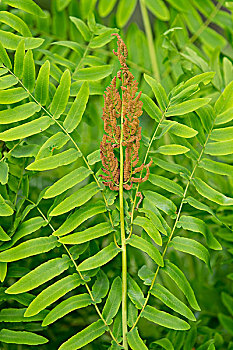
(210, 193)
(40, 275)
(99, 259)
(28, 129)
(171, 150)
(42, 83)
(19, 337)
(86, 336)
(78, 107)
(216, 167)
(76, 199)
(164, 319)
(134, 292)
(68, 181)
(105, 7)
(146, 275)
(17, 315)
(3, 271)
(171, 301)
(15, 22)
(82, 27)
(55, 141)
(18, 113)
(226, 321)
(19, 58)
(47, 163)
(93, 73)
(61, 96)
(90, 233)
(161, 202)
(52, 293)
(132, 313)
(179, 278)
(26, 5)
(192, 247)
(103, 38)
(135, 342)
(159, 9)
(4, 58)
(172, 167)
(5, 209)
(196, 225)
(12, 95)
(200, 78)
(155, 220)
(224, 117)
(164, 343)
(146, 224)
(29, 71)
(79, 216)
(4, 169)
(151, 108)
(62, 4)
(124, 11)
(11, 41)
(223, 134)
(113, 301)
(187, 106)
(158, 90)
(228, 302)
(146, 247)
(224, 101)
(66, 306)
(29, 248)
(219, 148)
(94, 157)
(166, 184)
(182, 130)
(100, 287)
(7, 81)
(3, 235)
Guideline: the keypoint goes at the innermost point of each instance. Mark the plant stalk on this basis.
(123, 242)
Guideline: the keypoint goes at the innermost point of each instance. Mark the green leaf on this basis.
(52, 293)
(171, 167)
(19, 59)
(113, 301)
(47, 163)
(28, 129)
(224, 101)
(187, 106)
(161, 202)
(76, 199)
(19, 337)
(73, 303)
(204, 78)
(224, 117)
(158, 90)
(93, 73)
(182, 130)
(90, 233)
(11, 41)
(228, 302)
(86, 336)
(3, 271)
(94, 157)
(29, 71)
(172, 150)
(124, 12)
(61, 96)
(105, 7)
(55, 141)
(26, 5)
(166, 184)
(79, 216)
(226, 321)
(223, 134)
(18, 113)
(192, 247)
(82, 28)
(135, 293)
(155, 220)
(77, 109)
(15, 22)
(29, 248)
(12, 95)
(5, 209)
(4, 58)
(196, 225)
(62, 4)
(17, 315)
(103, 38)
(171, 301)
(159, 9)
(68, 181)
(101, 258)
(40, 275)
(216, 167)
(147, 225)
(135, 342)
(3, 235)
(151, 108)
(42, 83)
(164, 319)
(4, 169)
(221, 148)
(210, 193)
(7, 81)
(100, 287)
(164, 343)
(146, 247)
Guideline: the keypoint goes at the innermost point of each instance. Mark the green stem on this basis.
(150, 41)
(123, 242)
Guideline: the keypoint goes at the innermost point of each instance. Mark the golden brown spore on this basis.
(129, 106)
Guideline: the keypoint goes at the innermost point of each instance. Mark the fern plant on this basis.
(112, 231)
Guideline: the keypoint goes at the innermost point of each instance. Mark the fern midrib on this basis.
(176, 221)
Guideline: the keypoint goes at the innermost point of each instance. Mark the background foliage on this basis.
(68, 44)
